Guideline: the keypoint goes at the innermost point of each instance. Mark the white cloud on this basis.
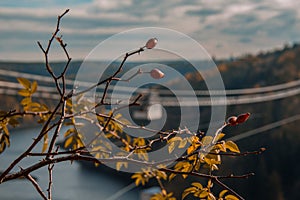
(223, 27)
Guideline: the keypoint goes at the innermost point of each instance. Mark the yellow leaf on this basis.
(24, 93)
(26, 83)
(161, 174)
(26, 101)
(214, 167)
(171, 176)
(69, 132)
(221, 146)
(203, 194)
(34, 104)
(182, 143)
(206, 140)
(4, 128)
(13, 122)
(171, 147)
(7, 141)
(222, 193)
(120, 164)
(211, 197)
(34, 87)
(69, 103)
(232, 146)
(219, 136)
(197, 185)
(174, 139)
(192, 148)
(68, 142)
(231, 197)
(45, 144)
(188, 191)
(139, 178)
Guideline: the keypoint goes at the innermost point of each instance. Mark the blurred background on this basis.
(255, 45)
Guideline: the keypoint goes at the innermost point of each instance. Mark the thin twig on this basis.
(36, 186)
(50, 182)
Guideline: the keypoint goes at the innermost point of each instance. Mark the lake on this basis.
(71, 181)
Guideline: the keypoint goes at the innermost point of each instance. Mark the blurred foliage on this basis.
(275, 179)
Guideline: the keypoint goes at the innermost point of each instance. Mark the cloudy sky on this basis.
(224, 27)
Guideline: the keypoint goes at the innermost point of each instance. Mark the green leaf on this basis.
(25, 83)
(232, 146)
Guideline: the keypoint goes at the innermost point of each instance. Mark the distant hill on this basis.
(269, 68)
(277, 170)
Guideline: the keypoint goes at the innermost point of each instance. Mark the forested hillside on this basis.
(277, 170)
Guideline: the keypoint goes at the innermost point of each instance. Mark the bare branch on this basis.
(36, 186)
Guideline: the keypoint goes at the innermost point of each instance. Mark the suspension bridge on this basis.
(195, 98)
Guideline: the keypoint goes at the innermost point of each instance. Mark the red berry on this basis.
(156, 74)
(151, 43)
(242, 118)
(232, 121)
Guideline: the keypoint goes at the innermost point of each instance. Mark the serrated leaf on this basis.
(232, 146)
(24, 93)
(24, 82)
